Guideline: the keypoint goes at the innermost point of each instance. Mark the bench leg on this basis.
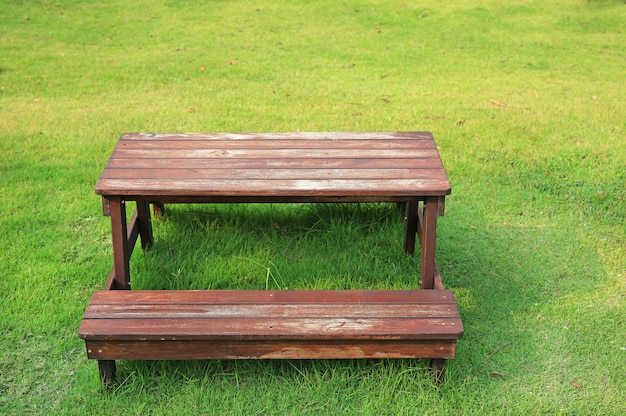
(107, 370)
(438, 370)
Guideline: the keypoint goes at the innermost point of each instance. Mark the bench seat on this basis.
(206, 324)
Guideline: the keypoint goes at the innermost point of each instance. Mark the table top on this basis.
(275, 166)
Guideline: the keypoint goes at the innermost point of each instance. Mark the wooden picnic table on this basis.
(161, 168)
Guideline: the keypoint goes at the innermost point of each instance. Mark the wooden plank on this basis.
(326, 310)
(280, 136)
(273, 174)
(270, 328)
(122, 153)
(291, 163)
(321, 187)
(233, 297)
(262, 144)
(232, 349)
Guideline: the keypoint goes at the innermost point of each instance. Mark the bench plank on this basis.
(270, 327)
(273, 296)
(313, 311)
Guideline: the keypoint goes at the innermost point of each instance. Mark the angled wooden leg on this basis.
(427, 240)
(145, 224)
(410, 226)
(107, 371)
(121, 251)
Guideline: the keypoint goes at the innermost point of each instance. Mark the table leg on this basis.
(121, 252)
(145, 224)
(427, 240)
(410, 226)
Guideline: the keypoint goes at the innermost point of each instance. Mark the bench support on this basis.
(107, 370)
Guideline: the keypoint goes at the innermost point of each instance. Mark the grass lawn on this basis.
(525, 99)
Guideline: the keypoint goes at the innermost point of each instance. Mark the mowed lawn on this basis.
(525, 99)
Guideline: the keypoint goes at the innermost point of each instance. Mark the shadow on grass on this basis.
(504, 276)
(244, 373)
(312, 246)
(501, 274)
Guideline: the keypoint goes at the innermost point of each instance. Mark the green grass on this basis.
(525, 99)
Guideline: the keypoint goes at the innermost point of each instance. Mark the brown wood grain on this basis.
(378, 166)
(271, 167)
(267, 143)
(138, 297)
(291, 163)
(272, 174)
(268, 349)
(196, 324)
(281, 135)
(246, 311)
(196, 315)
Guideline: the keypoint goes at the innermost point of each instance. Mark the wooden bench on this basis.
(300, 167)
(184, 325)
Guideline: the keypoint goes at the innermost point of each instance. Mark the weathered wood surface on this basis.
(271, 167)
(268, 349)
(378, 166)
(271, 324)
